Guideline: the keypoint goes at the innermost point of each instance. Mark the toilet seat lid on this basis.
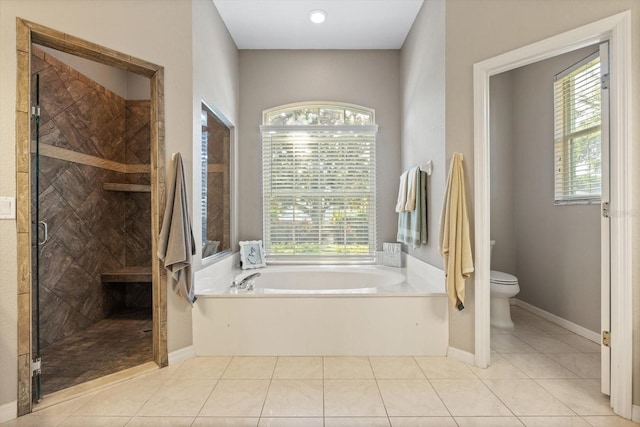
(502, 278)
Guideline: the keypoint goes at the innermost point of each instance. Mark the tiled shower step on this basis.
(128, 275)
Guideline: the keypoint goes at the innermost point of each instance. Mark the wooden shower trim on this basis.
(27, 33)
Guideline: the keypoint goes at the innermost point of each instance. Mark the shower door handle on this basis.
(46, 233)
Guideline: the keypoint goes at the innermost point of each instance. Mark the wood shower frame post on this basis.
(27, 33)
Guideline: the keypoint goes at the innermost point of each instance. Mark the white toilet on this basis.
(503, 286)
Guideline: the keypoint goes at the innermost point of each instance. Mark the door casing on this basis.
(617, 30)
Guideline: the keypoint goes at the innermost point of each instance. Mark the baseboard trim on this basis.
(182, 354)
(8, 411)
(577, 329)
(461, 355)
(635, 414)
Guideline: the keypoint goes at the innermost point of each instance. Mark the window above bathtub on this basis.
(319, 183)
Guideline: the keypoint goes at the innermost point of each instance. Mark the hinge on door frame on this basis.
(36, 366)
(604, 81)
(35, 110)
(605, 210)
(606, 338)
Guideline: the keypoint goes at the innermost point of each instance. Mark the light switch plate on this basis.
(7, 208)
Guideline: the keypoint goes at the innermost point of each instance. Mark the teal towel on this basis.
(412, 225)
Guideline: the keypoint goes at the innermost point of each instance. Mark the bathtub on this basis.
(323, 310)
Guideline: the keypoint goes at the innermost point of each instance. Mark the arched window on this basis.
(319, 182)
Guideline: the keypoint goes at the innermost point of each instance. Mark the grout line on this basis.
(384, 405)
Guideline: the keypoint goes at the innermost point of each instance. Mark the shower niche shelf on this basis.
(138, 274)
(130, 188)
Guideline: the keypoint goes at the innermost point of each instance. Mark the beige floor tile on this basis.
(443, 367)
(294, 398)
(609, 421)
(347, 367)
(538, 365)
(525, 397)
(548, 327)
(579, 395)
(582, 344)
(554, 422)
(298, 368)
(422, 422)
(391, 367)
(160, 422)
(548, 343)
(236, 398)
(204, 368)
(225, 422)
(505, 344)
(63, 409)
(411, 398)
(250, 368)
(466, 397)
(291, 422)
(582, 364)
(488, 422)
(357, 422)
(31, 421)
(124, 399)
(163, 373)
(352, 398)
(499, 368)
(178, 398)
(95, 421)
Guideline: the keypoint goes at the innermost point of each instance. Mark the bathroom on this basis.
(406, 119)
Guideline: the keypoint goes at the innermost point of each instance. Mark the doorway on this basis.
(615, 30)
(27, 34)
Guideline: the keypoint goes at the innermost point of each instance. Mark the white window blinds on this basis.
(319, 192)
(577, 117)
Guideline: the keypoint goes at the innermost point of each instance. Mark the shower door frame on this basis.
(27, 33)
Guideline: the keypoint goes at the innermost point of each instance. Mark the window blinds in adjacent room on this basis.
(319, 192)
(577, 126)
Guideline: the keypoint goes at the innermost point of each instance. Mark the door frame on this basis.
(26, 33)
(617, 30)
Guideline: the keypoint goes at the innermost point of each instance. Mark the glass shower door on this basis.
(39, 237)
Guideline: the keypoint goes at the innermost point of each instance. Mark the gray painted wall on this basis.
(557, 247)
(276, 77)
(423, 121)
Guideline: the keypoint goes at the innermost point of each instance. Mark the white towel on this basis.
(402, 192)
(454, 243)
(176, 244)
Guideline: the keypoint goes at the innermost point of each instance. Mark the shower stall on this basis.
(91, 219)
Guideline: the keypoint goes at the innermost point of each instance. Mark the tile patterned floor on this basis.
(121, 341)
(541, 375)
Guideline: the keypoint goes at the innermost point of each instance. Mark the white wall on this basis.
(480, 29)
(276, 77)
(158, 32)
(423, 121)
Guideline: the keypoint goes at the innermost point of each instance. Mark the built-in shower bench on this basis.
(128, 275)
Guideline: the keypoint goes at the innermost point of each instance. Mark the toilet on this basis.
(502, 287)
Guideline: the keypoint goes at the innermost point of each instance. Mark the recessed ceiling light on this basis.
(318, 16)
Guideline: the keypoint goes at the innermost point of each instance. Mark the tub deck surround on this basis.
(407, 315)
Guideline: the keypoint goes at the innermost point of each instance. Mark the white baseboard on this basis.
(8, 411)
(577, 329)
(461, 355)
(182, 354)
(635, 413)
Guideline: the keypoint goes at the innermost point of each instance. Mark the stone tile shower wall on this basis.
(89, 228)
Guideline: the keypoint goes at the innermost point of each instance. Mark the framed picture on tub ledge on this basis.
(252, 254)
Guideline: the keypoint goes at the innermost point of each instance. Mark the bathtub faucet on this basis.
(246, 283)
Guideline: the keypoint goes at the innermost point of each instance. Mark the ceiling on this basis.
(350, 24)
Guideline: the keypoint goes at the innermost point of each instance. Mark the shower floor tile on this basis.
(121, 341)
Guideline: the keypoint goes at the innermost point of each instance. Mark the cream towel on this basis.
(413, 181)
(176, 244)
(402, 192)
(454, 244)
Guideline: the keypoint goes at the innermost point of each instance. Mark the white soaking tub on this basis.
(323, 310)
